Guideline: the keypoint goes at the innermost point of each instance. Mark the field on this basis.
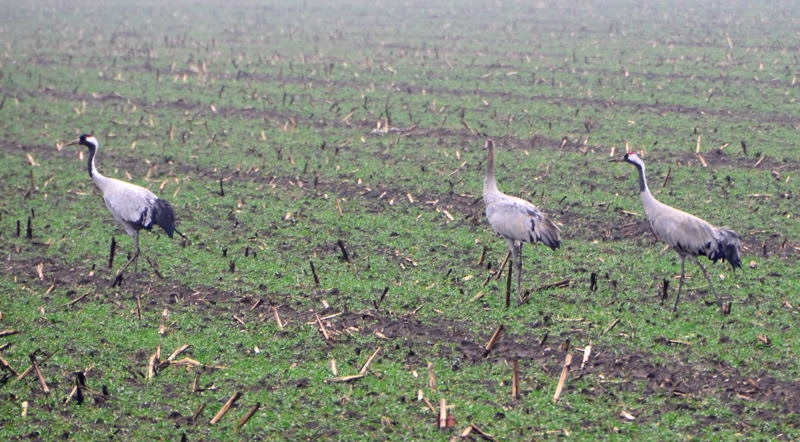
(338, 279)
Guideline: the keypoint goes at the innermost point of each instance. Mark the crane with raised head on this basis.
(133, 207)
(515, 219)
(687, 234)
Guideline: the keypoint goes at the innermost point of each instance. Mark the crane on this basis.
(687, 234)
(515, 219)
(133, 207)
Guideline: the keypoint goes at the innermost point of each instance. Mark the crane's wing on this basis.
(680, 230)
(519, 220)
(136, 207)
(690, 235)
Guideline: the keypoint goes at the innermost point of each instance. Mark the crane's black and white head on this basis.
(633, 158)
(87, 140)
(91, 142)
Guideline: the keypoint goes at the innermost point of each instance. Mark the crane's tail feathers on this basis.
(164, 216)
(548, 234)
(179, 232)
(728, 248)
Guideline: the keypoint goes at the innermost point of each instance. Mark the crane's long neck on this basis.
(647, 198)
(99, 179)
(489, 181)
(642, 180)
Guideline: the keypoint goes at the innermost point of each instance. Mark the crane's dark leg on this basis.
(680, 284)
(513, 258)
(516, 250)
(508, 279)
(134, 259)
(710, 284)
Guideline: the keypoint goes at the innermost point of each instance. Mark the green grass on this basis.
(277, 103)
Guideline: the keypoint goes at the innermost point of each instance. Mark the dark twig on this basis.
(225, 408)
(249, 414)
(345, 255)
(198, 412)
(112, 250)
(514, 379)
(38, 372)
(554, 285)
(493, 341)
(6, 366)
(314, 272)
(377, 303)
(483, 255)
(667, 177)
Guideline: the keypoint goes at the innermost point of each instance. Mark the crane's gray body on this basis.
(515, 219)
(135, 207)
(687, 234)
(518, 220)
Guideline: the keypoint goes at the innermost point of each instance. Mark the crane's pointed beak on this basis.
(73, 142)
(615, 160)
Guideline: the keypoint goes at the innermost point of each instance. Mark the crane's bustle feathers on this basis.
(728, 248)
(164, 216)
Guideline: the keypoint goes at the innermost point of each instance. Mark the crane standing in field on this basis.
(515, 219)
(687, 234)
(134, 207)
